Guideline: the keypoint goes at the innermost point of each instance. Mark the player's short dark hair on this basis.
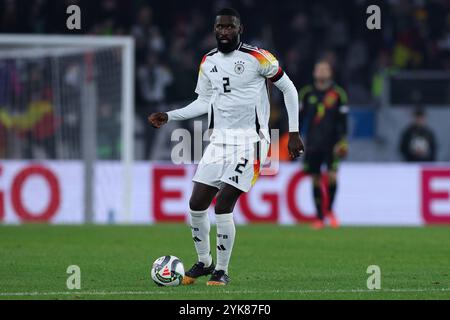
(328, 62)
(229, 12)
(323, 60)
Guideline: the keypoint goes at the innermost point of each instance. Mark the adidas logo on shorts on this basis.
(234, 179)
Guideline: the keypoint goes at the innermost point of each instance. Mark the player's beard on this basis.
(228, 47)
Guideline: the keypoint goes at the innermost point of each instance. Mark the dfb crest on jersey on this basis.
(239, 67)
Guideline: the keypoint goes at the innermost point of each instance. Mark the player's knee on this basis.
(224, 206)
(197, 204)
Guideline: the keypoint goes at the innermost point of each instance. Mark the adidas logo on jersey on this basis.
(214, 69)
(234, 179)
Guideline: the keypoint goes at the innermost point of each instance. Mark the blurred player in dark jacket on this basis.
(324, 121)
(417, 142)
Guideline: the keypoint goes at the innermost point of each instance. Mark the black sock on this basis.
(318, 201)
(331, 194)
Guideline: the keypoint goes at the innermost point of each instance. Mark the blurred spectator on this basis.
(108, 142)
(415, 35)
(153, 79)
(10, 17)
(417, 142)
(381, 69)
(146, 34)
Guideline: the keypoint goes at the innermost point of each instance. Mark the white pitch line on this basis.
(113, 293)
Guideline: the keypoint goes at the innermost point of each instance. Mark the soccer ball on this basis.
(167, 271)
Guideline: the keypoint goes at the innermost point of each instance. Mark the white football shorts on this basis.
(236, 165)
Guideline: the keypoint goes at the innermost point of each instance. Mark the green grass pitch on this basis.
(268, 262)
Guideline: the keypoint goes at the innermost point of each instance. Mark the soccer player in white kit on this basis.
(232, 89)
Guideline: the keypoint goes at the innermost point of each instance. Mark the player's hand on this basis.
(295, 145)
(341, 149)
(158, 119)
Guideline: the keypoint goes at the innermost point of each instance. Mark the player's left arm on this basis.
(287, 87)
(271, 70)
(341, 147)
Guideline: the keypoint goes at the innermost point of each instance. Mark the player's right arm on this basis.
(196, 108)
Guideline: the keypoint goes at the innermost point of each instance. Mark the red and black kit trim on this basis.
(278, 75)
(212, 52)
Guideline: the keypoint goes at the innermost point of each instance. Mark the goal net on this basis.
(70, 98)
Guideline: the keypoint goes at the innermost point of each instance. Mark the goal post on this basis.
(28, 47)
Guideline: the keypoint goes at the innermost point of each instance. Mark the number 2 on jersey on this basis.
(226, 85)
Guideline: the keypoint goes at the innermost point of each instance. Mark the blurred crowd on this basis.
(172, 36)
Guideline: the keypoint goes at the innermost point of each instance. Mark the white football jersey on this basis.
(236, 86)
